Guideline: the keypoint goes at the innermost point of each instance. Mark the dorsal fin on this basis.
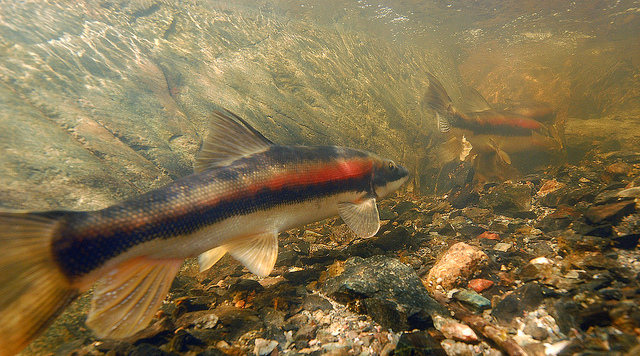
(474, 101)
(229, 138)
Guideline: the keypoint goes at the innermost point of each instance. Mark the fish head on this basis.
(388, 177)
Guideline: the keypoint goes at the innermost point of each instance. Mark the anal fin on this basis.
(257, 252)
(127, 298)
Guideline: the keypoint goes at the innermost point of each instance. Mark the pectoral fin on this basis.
(126, 299)
(361, 217)
(258, 252)
(209, 258)
(500, 153)
(503, 156)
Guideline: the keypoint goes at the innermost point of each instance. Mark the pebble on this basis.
(502, 246)
(472, 299)
(489, 235)
(457, 348)
(455, 266)
(458, 331)
(479, 284)
(264, 347)
(540, 261)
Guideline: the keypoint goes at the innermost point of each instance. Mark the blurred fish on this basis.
(244, 192)
(491, 132)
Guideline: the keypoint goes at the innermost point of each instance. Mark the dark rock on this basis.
(390, 240)
(302, 247)
(535, 331)
(508, 198)
(306, 332)
(234, 322)
(148, 350)
(570, 195)
(529, 272)
(602, 230)
(607, 197)
(321, 254)
(188, 305)
(594, 315)
(454, 175)
(387, 313)
(525, 298)
(419, 319)
(418, 343)
(245, 285)
(212, 352)
(628, 242)
(404, 206)
(610, 293)
(316, 302)
(507, 308)
(272, 317)
(611, 213)
(565, 311)
(287, 258)
(395, 290)
(204, 319)
(386, 213)
(471, 230)
(303, 276)
(184, 341)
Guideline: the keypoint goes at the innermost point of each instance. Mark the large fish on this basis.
(244, 192)
(488, 130)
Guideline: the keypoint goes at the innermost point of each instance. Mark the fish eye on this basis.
(392, 165)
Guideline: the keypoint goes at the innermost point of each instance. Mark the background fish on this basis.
(493, 134)
(244, 192)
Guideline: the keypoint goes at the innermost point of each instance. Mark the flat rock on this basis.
(612, 213)
(508, 198)
(391, 292)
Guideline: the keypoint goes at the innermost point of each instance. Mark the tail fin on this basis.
(438, 99)
(33, 291)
